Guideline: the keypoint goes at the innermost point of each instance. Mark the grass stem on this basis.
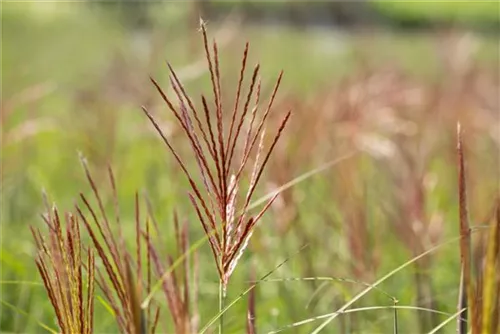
(222, 294)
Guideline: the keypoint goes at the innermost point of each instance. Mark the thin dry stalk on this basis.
(480, 295)
(467, 288)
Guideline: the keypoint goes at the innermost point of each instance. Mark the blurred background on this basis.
(385, 81)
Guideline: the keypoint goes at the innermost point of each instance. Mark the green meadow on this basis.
(368, 214)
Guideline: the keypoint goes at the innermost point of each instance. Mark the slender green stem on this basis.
(395, 317)
(221, 306)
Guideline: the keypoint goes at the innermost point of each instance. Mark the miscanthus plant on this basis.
(216, 135)
(228, 145)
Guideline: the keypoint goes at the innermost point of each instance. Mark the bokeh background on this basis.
(382, 82)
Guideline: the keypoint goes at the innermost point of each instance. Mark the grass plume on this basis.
(67, 272)
(215, 145)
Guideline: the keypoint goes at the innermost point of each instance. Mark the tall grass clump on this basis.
(126, 275)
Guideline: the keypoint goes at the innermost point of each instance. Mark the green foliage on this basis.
(468, 11)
